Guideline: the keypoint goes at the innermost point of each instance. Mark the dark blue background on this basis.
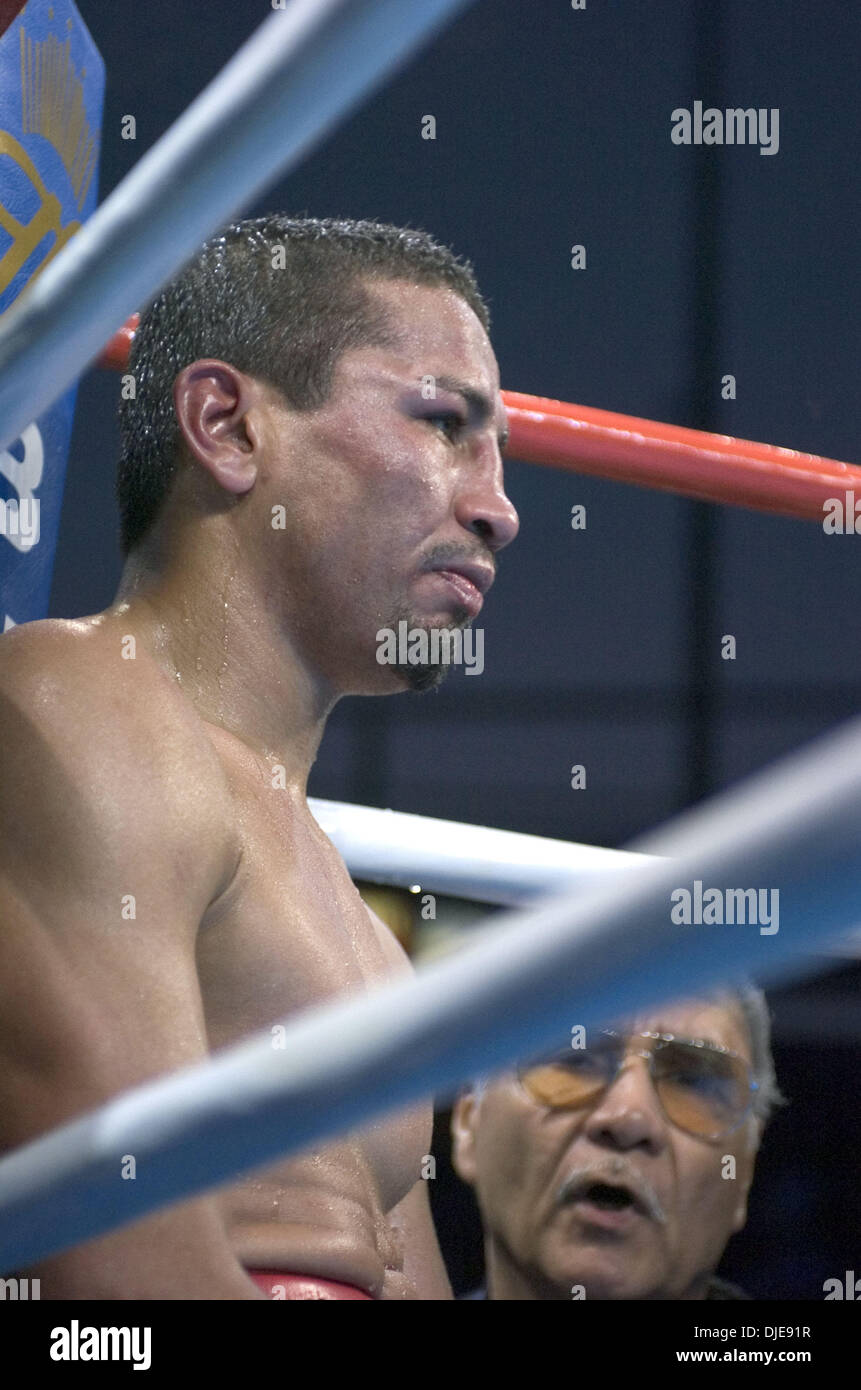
(603, 646)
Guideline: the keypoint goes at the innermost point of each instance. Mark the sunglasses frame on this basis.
(649, 1054)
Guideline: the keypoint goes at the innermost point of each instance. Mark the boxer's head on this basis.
(622, 1170)
(320, 401)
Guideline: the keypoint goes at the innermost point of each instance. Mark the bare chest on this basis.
(293, 932)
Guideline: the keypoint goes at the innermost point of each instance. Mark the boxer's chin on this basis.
(422, 676)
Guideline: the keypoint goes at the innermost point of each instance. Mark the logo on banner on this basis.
(52, 105)
(52, 81)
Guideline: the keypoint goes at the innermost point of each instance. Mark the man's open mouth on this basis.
(600, 1195)
(608, 1198)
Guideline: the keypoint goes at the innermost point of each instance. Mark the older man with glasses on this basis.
(620, 1167)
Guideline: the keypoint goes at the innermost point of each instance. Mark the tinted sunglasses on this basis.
(703, 1088)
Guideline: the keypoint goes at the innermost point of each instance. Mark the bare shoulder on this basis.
(89, 722)
(103, 695)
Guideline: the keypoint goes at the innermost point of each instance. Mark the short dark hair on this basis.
(280, 298)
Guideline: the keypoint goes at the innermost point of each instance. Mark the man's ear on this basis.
(744, 1183)
(739, 1216)
(212, 400)
(463, 1122)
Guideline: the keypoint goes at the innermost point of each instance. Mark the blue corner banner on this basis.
(52, 84)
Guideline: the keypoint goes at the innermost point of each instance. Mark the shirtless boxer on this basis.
(164, 889)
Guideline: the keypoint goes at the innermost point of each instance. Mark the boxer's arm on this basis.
(109, 854)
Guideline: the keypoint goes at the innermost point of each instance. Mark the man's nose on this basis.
(483, 507)
(629, 1114)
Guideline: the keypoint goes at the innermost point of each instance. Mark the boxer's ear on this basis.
(213, 402)
(463, 1122)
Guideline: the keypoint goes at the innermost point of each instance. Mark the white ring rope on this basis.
(301, 71)
(503, 867)
(591, 956)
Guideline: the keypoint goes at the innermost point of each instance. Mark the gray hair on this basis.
(754, 1010)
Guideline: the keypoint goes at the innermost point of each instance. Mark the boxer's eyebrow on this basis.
(480, 406)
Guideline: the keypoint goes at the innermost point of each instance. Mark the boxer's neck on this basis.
(233, 655)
